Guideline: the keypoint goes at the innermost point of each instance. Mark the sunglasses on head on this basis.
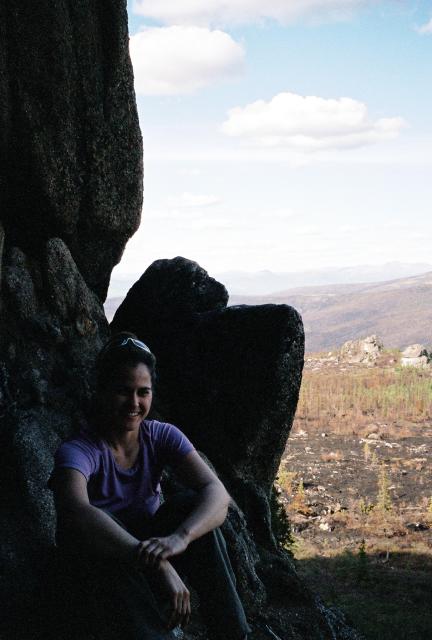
(136, 343)
(124, 343)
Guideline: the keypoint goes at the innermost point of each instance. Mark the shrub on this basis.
(281, 525)
(362, 562)
(285, 479)
(384, 502)
(298, 503)
(366, 451)
(429, 510)
(365, 507)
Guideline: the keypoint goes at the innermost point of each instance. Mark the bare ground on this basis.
(361, 514)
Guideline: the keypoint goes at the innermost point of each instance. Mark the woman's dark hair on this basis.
(123, 349)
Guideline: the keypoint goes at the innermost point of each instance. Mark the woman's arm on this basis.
(88, 525)
(209, 513)
(96, 531)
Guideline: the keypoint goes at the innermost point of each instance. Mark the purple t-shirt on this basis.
(129, 494)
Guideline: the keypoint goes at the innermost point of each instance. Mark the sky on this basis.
(282, 135)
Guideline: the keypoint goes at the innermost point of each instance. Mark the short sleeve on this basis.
(171, 443)
(76, 454)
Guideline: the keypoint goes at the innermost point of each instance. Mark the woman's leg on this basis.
(206, 563)
(107, 599)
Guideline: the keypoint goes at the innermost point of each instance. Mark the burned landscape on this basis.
(357, 486)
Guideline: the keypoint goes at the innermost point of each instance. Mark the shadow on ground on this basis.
(385, 598)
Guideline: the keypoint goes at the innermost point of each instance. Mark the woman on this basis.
(128, 554)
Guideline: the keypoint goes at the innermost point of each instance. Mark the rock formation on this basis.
(416, 355)
(364, 351)
(71, 195)
(230, 377)
(71, 145)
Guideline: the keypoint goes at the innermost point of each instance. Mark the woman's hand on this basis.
(178, 595)
(155, 550)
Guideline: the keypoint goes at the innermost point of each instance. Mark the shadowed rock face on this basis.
(70, 197)
(230, 378)
(70, 140)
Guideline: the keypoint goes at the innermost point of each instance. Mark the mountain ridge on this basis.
(336, 313)
(269, 282)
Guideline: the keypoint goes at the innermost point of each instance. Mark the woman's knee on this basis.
(173, 512)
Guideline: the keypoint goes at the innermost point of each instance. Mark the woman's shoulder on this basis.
(165, 436)
(86, 435)
(157, 429)
(83, 451)
(86, 441)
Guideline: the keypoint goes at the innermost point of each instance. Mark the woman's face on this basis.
(127, 400)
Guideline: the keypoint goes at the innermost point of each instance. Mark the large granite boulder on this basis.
(52, 327)
(71, 194)
(416, 355)
(362, 351)
(70, 145)
(230, 378)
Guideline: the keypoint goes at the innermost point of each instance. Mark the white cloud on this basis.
(181, 59)
(426, 28)
(192, 200)
(190, 172)
(245, 11)
(280, 214)
(308, 123)
(307, 230)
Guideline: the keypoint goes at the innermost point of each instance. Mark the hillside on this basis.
(269, 282)
(399, 311)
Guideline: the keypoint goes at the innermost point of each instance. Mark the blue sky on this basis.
(284, 135)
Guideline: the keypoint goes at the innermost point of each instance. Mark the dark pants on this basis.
(116, 601)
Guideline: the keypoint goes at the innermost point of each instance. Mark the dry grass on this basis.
(385, 595)
(365, 400)
(286, 480)
(357, 540)
(378, 572)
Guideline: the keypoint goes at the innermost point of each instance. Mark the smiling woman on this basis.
(129, 401)
(127, 552)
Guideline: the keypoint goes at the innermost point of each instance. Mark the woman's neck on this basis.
(125, 448)
(128, 441)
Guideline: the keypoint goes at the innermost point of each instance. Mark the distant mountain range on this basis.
(266, 282)
(398, 311)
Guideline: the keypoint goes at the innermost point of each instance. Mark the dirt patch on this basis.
(361, 514)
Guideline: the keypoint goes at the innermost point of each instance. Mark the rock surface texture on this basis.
(365, 350)
(416, 355)
(70, 140)
(71, 195)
